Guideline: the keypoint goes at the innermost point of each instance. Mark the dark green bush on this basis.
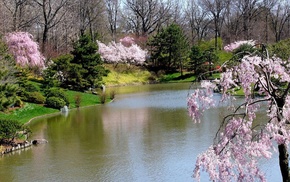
(29, 87)
(33, 97)
(9, 128)
(18, 103)
(36, 97)
(56, 92)
(55, 102)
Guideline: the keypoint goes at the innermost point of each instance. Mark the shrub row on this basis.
(54, 98)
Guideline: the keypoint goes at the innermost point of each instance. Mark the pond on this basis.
(144, 135)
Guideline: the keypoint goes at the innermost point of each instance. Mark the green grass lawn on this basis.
(177, 78)
(87, 99)
(27, 112)
(31, 110)
(126, 78)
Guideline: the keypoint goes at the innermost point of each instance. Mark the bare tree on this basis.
(20, 11)
(279, 17)
(17, 8)
(52, 14)
(176, 13)
(113, 7)
(147, 15)
(4, 19)
(217, 9)
(266, 8)
(248, 10)
(89, 12)
(198, 20)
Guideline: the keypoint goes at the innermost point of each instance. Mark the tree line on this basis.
(57, 23)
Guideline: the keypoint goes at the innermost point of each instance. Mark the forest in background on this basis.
(56, 24)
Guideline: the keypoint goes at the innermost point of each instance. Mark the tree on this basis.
(8, 87)
(24, 49)
(217, 10)
(247, 11)
(21, 13)
(198, 20)
(169, 48)
(196, 60)
(279, 17)
(58, 71)
(239, 142)
(281, 49)
(126, 51)
(145, 16)
(88, 13)
(113, 7)
(9, 129)
(52, 14)
(86, 68)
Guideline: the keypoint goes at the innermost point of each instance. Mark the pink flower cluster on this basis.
(127, 41)
(200, 100)
(24, 49)
(118, 53)
(231, 47)
(234, 156)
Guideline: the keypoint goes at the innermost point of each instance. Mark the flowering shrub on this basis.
(127, 41)
(240, 143)
(124, 52)
(231, 47)
(24, 49)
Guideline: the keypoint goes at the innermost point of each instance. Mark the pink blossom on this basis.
(231, 47)
(286, 108)
(239, 144)
(24, 49)
(200, 100)
(118, 53)
(127, 41)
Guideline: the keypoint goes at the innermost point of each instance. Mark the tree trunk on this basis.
(44, 38)
(283, 161)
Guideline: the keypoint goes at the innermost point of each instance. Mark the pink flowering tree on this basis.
(239, 143)
(233, 46)
(127, 41)
(24, 49)
(126, 51)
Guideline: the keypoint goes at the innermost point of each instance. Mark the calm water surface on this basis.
(144, 135)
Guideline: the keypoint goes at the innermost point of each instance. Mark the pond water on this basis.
(144, 135)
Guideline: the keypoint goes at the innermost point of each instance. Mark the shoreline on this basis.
(60, 112)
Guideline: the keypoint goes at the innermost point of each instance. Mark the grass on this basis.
(31, 110)
(27, 112)
(177, 78)
(122, 75)
(87, 99)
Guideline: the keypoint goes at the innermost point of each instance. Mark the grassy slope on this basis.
(30, 110)
(125, 75)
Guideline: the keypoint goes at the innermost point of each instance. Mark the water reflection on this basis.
(145, 135)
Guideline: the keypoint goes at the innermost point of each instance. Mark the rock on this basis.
(64, 109)
(39, 141)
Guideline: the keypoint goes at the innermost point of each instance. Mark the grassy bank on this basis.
(129, 75)
(119, 75)
(31, 110)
